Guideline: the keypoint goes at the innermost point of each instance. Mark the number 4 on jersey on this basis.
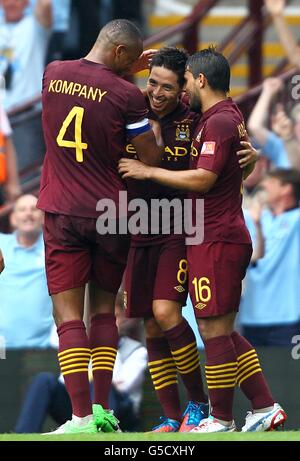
(78, 145)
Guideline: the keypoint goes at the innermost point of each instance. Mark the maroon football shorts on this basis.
(155, 272)
(75, 253)
(216, 271)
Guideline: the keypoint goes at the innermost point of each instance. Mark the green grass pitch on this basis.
(137, 437)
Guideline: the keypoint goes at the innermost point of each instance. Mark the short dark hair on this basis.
(214, 66)
(171, 58)
(288, 176)
(120, 31)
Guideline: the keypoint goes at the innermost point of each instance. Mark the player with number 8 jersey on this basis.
(156, 276)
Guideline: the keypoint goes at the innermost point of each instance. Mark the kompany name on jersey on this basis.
(72, 88)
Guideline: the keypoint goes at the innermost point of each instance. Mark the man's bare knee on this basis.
(152, 329)
(213, 327)
(168, 314)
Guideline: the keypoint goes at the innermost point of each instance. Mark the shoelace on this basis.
(193, 412)
(165, 421)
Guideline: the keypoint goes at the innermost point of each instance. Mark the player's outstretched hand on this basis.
(248, 156)
(129, 168)
(143, 62)
(275, 7)
(1, 262)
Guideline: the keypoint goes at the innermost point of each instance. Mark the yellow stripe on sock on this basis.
(248, 376)
(63, 361)
(103, 362)
(224, 365)
(248, 364)
(240, 357)
(169, 370)
(247, 359)
(67, 351)
(77, 370)
(189, 365)
(190, 370)
(157, 362)
(167, 365)
(181, 360)
(103, 368)
(80, 364)
(103, 357)
(221, 375)
(157, 388)
(79, 359)
(160, 380)
(100, 354)
(240, 375)
(74, 355)
(185, 348)
(194, 350)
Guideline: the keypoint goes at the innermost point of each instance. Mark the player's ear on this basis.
(202, 80)
(120, 50)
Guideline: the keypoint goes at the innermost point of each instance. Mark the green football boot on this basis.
(75, 427)
(105, 419)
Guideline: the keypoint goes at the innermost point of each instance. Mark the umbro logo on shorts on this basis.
(200, 306)
(179, 288)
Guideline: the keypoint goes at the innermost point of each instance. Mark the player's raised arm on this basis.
(292, 49)
(44, 12)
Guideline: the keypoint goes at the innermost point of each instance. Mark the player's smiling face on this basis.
(163, 90)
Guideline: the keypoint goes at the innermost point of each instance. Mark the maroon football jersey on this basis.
(177, 130)
(216, 142)
(88, 114)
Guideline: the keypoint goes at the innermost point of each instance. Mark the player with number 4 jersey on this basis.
(89, 111)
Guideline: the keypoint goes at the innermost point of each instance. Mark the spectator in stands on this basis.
(272, 141)
(281, 144)
(288, 41)
(47, 393)
(292, 49)
(9, 179)
(23, 46)
(26, 308)
(270, 309)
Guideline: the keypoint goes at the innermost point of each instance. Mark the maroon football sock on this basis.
(183, 345)
(74, 356)
(104, 340)
(164, 376)
(221, 370)
(250, 377)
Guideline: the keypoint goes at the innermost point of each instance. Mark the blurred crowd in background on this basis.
(35, 32)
